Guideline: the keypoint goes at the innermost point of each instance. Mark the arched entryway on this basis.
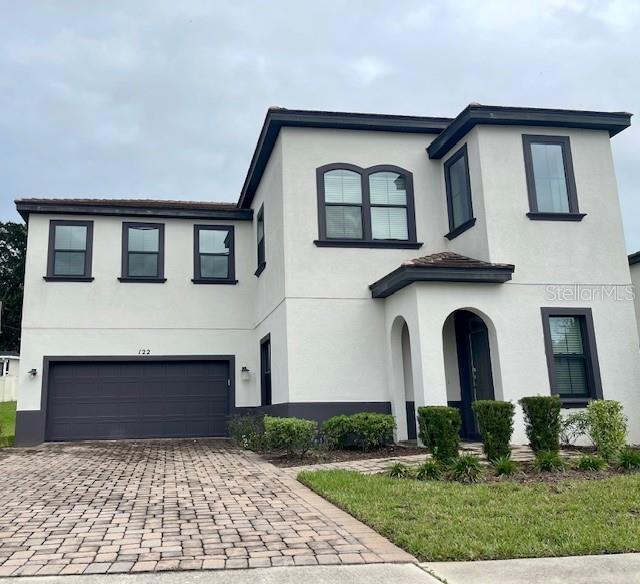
(468, 365)
(402, 383)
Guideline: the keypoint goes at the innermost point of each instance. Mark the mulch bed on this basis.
(527, 474)
(322, 456)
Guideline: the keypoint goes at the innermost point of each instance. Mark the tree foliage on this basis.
(13, 250)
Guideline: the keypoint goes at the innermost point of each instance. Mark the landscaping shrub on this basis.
(294, 435)
(248, 432)
(440, 431)
(589, 462)
(504, 466)
(466, 469)
(548, 461)
(542, 419)
(431, 470)
(573, 427)
(399, 470)
(495, 423)
(366, 430)
(607, 427)
(629, 459)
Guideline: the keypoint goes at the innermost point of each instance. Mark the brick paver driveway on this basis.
(139, 506)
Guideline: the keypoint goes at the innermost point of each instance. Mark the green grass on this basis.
(450, 521)
(7, 423)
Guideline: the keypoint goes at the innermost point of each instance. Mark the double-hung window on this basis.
(70, 250)
(370, 207)
(458, 188)
(551, 184)
(571, 354)
(265, 371)
(214, 255)
(142, 252)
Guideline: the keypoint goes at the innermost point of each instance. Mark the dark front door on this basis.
(137, 399)
(474, 363)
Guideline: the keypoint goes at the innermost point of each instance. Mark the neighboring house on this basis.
(634, 266)
(372, 263)
(9, 376)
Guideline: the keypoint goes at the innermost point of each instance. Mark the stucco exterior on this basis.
(333, 346)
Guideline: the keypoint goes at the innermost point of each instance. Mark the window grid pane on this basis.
(549, 177)
(387, 188)
(459, 192)
(214, 266)
(344, 222)
(144, 239)
(143, 265)
(69, 263)
(342, 186)
(389, 223)
(70, 237)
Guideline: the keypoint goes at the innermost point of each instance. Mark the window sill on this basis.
(460, 229)
(212, 281)
(368, 244)
(68, 278)
(260, 269)
(575, 402)
(539, 216)
(143, 280)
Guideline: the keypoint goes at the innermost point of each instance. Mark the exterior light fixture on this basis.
(33, 373)
(245, 373)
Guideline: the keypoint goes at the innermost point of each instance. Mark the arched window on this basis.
(370, 207)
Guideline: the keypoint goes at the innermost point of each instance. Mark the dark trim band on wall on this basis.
(570, 181)
(88, 251)
(31, 424)
(590, 351)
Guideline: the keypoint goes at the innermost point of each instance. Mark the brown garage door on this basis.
(137, 399)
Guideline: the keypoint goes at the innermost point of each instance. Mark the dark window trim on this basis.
(567, 161)
(88, 252)
(266, 394)
(260, 243)
(591, 353)
(198, 278)
(367, 236)
(455, 230)
(159, 279)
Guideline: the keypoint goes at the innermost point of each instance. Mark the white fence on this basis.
(8, 388)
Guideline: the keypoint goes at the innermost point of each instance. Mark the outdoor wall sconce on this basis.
(33, 373)
(245, 373)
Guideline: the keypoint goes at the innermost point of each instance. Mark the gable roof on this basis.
(134, 208)
(474, 114)
(441, 267)
(278, 117)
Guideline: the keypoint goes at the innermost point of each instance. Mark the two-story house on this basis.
(372, 263)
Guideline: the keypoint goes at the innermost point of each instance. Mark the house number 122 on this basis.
(144, 352)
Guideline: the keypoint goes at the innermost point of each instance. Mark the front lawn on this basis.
(7, 423)
(451, 521)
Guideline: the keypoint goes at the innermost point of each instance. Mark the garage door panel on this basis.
(109, 400)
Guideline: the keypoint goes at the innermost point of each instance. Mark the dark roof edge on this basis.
(472, 115)
(405, 275)
(276, 118)
(634, 258)
(25, 208)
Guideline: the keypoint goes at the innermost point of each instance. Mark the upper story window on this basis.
(265, 371)
(571, 354)
(214, 261)
(70, 250)
(458, 188)
(142, 252)
(260, 236)
(370, 207)
(551, 183)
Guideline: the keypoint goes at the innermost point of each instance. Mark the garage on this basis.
(139, 398)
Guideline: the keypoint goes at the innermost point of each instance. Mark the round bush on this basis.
(543, 422)
(294, 435)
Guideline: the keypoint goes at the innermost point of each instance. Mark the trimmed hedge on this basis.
(543, 422)
(495, 423)
(366, 430)
(440, 431)
(607, 427)
(248, 431)
(294, 435)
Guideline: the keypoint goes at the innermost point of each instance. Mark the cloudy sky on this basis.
(164, 99)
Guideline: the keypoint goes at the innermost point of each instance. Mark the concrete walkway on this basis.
(611, 569)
